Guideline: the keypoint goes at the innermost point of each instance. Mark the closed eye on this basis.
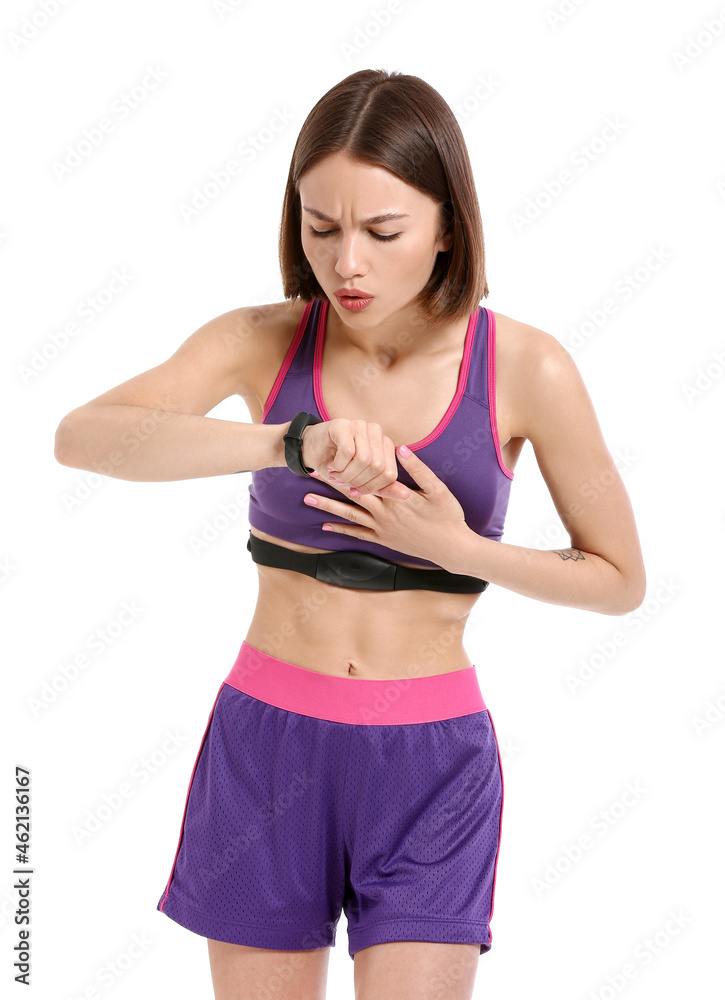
(377, 236)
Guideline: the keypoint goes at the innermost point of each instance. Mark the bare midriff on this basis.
(363, 634)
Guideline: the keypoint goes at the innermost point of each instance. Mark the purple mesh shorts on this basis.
(313, 794)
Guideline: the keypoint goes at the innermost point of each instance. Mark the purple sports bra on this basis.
(463, 449)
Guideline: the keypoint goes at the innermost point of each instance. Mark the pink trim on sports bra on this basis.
(453, 406)
(287, 360)
(492, 389)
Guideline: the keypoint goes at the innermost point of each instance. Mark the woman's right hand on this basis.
(355, 452)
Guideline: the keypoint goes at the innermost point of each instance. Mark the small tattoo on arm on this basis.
(569, 553)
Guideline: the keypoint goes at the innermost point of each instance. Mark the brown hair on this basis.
(401, 123)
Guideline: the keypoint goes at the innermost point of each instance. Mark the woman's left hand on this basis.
(424, 524)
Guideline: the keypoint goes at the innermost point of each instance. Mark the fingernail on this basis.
(314, 473)
(404, 451)
(354, 491)
(311, 500)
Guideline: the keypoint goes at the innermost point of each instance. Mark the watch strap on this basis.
(293, 443)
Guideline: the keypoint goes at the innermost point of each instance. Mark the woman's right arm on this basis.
(153, 428)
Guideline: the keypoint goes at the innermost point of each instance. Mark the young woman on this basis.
(349, 761)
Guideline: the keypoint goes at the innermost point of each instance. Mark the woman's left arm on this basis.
(603, 570)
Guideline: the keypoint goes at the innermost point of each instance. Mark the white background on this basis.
(69, 568)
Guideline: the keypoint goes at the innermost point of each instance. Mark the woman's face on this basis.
(352, 253)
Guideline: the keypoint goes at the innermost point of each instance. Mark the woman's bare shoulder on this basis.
(524, 356)
(276, 324)
(523, 340)
(538, 371)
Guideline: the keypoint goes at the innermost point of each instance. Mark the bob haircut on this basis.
(402, 124)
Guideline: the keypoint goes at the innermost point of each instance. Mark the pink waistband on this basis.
(347, 699)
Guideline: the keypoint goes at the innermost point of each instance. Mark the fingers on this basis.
(419, 472)
(386, 484)
(318, 449)
(365, 459)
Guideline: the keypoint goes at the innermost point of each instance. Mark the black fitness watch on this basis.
(293, 443)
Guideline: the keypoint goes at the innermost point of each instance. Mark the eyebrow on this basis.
(373, 220)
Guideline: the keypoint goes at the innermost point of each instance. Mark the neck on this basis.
(398, 336)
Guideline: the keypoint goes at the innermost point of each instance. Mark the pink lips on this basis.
(343, 292)
(353, 299)
(353, 304)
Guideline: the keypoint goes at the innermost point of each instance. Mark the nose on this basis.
(349, 261)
